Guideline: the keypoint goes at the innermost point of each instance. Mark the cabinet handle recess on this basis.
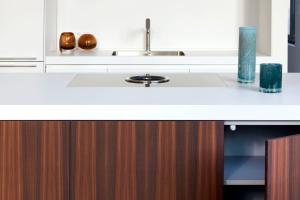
(17, 58)
(17, 65)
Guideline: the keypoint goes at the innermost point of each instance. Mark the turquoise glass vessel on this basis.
(247, 54)
(270, 77)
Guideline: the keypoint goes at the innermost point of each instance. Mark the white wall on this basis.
(51, 41)
(176, 24)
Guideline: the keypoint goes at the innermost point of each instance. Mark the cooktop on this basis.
(146, 80)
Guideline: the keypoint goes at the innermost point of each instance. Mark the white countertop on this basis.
(51, 97)
(104, 57)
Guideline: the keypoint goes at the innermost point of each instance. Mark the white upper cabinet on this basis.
(21, 30)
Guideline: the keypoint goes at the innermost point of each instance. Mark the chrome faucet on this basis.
(148, 51)
(148, 35)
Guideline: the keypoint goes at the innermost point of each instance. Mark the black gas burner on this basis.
(147, 79)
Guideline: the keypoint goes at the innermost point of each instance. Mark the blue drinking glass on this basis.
(247, 54)
(270, 77)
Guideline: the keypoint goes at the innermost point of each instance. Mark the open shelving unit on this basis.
(245, 156)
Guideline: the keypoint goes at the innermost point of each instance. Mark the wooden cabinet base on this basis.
(111, 160)
(34, 160)
(146, 160)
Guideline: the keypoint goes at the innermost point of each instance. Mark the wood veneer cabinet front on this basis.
(34, 160)
(283, 168)
(146, 160)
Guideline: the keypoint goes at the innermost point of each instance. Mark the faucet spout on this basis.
(148, 34)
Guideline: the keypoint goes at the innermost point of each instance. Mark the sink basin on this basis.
(148, 53)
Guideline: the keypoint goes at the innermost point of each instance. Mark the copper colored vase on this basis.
(67, 41)
(87, 41)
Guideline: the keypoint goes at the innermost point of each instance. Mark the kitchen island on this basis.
(199, 136)
(51, 97)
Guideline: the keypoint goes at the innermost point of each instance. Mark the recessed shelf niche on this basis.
(191, 25)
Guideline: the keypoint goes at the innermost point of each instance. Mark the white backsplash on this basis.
(175, 24)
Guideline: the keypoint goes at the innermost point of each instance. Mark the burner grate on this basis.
(147, 79)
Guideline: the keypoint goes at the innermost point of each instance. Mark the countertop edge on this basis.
(151, 112)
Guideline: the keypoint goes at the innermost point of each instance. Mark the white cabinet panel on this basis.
(21, 30)
(117, 68)
(148, 69)
(76, 69)
(21, 67)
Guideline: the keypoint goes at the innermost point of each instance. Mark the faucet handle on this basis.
(148, 24)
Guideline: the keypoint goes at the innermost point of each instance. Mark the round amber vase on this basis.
(67, 41)
(87, 41)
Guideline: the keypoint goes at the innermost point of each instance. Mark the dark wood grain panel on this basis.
(11, 162)
(282, 168)
(210, 161)
(53, 160)
(83, 166)
(33, 160)
(146, 160)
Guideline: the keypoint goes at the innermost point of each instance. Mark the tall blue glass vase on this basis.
(247, 54)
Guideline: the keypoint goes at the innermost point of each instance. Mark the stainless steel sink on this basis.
(148, 53)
